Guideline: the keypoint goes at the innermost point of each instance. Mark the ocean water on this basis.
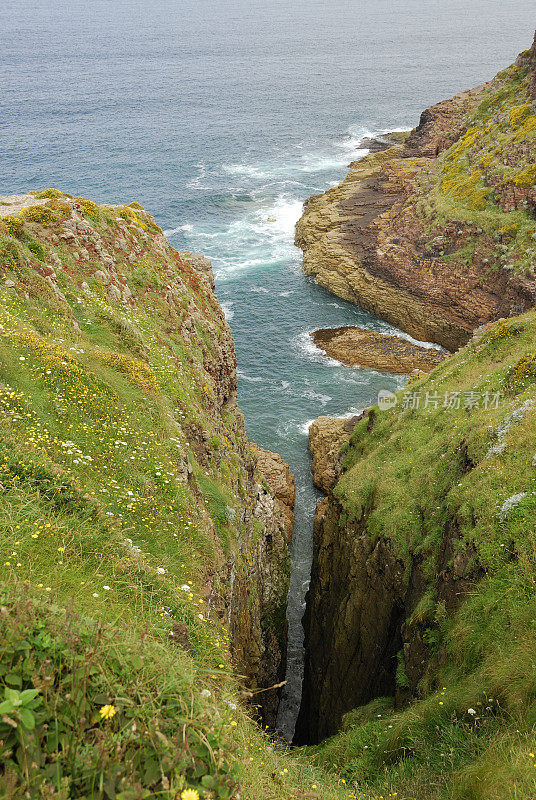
(221, 118)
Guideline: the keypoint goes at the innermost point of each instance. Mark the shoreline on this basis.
(377, 240)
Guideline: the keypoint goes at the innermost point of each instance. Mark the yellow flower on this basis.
(190, 794)
(107, 712)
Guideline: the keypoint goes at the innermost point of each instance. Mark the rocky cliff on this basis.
(434, 506)
(436, 234)
(128, 489)
(418, 625)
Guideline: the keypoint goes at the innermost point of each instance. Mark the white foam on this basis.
(353, 412)
(244, 377)
(427, 345)
(323, 399)
(227, 309)
(308, 348)
(249, 170)
(196, 183)
(304, 427)
(181, 229)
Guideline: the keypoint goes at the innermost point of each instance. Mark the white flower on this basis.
(185, 587)
(161, 570)
(471, 711)
(106, 588)
(200, 616)
(95, 594)
(232, 706)
(206, 693)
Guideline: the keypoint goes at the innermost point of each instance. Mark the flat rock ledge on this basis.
(357, 347)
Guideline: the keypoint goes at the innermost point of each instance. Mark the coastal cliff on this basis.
(436, 234)
(130, 495)
(419, 635)
(419, 613)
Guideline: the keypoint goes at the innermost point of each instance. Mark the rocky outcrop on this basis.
(326, 437)
(259, 599)
(275, 511)
(357, 347)
(385, 240)
(280, 480)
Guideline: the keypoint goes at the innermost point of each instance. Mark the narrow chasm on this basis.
(353, 624)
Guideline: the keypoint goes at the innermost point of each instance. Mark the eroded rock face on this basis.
(352, 624)
(366, 240)
(359, 617)
(364, 348)
(259, 599)
(326, 437)
(281, 483)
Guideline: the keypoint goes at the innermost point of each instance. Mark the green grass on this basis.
(116, 543)
(414, 475)
(494, 156)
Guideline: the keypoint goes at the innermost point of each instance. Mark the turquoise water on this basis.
(219, 116)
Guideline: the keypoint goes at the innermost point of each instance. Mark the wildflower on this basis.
(190, 794)
(106, 588)
(161, 570)
(206, 693)
(185, 587)
(471, 711)
(107, 712)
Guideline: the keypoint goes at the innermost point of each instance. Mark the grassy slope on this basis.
(476, 179)
(112, 560)
(415, 473)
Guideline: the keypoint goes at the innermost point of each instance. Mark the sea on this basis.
(221, 117)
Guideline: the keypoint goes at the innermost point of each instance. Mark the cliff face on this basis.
(428, 523)
(326, 437)
(117, 348)
(259, 629)
(435, 234)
